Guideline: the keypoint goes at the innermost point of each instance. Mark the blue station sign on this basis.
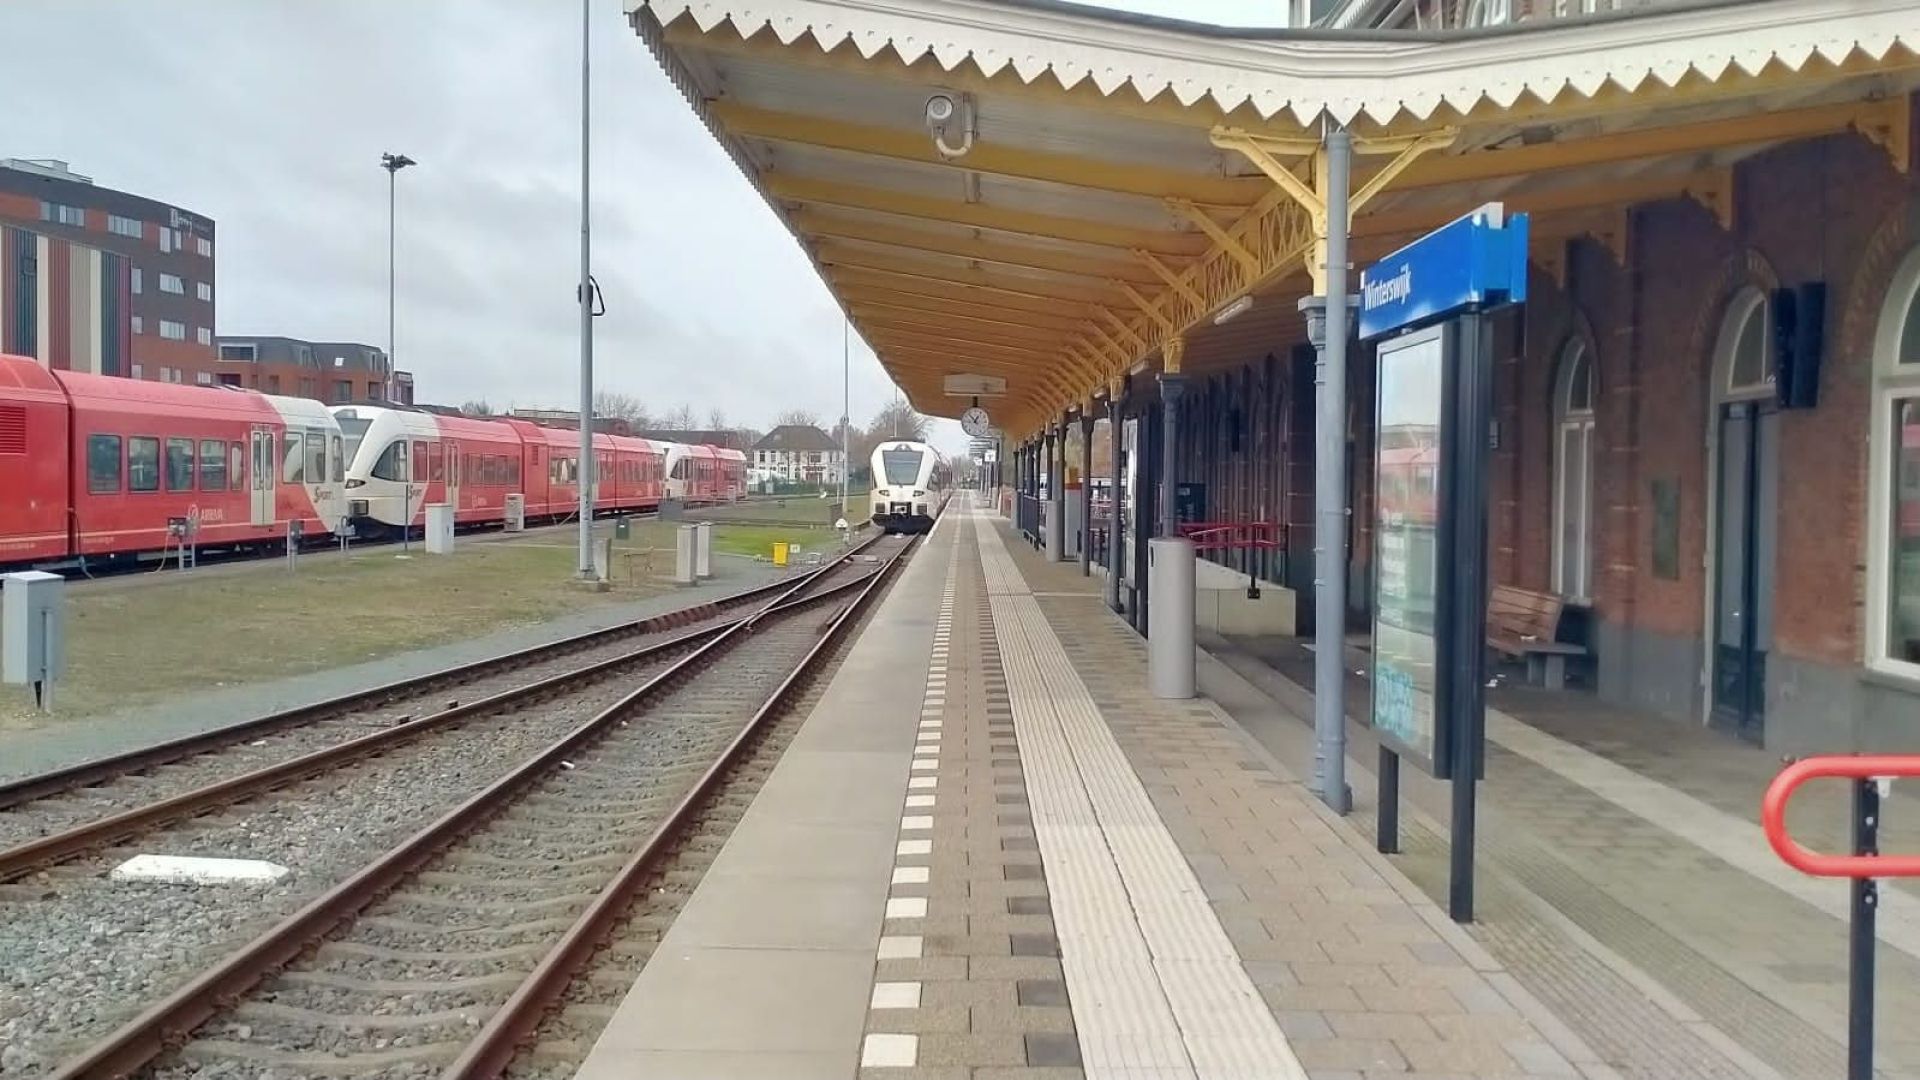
(1476, 260)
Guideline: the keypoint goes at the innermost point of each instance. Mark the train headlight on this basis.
(917, 493)
(354, 483)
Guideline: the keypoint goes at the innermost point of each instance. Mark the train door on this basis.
(453, 474)
(263, 472)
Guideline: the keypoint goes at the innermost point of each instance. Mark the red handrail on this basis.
(1234, 535)
(1773, 815)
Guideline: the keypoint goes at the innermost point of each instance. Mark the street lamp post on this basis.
(587, 463)
(393, 163)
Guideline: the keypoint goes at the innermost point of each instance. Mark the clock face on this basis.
(975, 422)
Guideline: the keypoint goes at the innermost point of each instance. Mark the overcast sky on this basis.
(270, 117)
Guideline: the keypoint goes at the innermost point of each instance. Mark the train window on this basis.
(436, 462)
(237, 466)
(143, 463)
(420, 460)
(103, 464)
(392, 464)
(339, 461)
(513, 471)
(179, 464)
(213, 465)
(316, 458)
(290, 459)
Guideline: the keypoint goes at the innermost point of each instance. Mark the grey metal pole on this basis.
(1173, 387)
(391, 205)
(846, 421)
(586, 477)
(1086, 493)
(1116, 420)
(1330, 495)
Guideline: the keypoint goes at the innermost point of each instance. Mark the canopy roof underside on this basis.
(1104, 205)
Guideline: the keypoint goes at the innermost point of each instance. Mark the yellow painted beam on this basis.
(860, 295)
(1120, 327)
(839, 252)
(1677, 139)
(934, 328)
(988, 157)
(1173, 280)
(1643, 189)
(1147, 307)
(977, 277)
(1038, 355)
(980, 216)
(920, 317)
(861, 281)
(1220, 237)
(815, 223)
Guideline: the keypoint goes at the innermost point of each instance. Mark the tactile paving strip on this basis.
(1156, 985)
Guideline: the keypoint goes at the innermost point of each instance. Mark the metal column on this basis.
(1330, 492)
(1056, 538)
(1086, 493)
(1173, 387)
(1116, 420)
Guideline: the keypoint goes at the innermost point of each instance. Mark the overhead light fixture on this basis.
(1233, 311)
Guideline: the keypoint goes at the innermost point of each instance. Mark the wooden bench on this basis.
(1524, 624)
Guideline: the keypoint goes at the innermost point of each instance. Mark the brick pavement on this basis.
(973, 987)
(1362, 972)
(1666, 958)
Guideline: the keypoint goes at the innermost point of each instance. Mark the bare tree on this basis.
(798, 418)
(717, 419)
(680, 418)
(897, 420)
(477, 408)
(618, 406)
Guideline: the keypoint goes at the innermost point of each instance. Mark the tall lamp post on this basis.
(393, 163)
(587, 470)
(846, 423)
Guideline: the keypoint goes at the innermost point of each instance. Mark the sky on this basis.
(270, 117)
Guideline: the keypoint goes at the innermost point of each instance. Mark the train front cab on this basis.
(903, 499)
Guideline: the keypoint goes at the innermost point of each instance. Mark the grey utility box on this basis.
(32, 627)
(1170, 614)
(703, 550)
(683, 564)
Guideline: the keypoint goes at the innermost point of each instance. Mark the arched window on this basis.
(1749, 368)
(1573, 399)
(1893, 638)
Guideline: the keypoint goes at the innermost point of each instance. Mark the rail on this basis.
(1872, 776)
(136, 1043)
(1235, 535)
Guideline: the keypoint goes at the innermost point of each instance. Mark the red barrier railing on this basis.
(1870, 773)
(1235, 535)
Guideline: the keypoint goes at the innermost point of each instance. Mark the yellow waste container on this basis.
(779, 553)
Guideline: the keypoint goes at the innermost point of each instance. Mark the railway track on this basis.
(447, 952)
(55, 815)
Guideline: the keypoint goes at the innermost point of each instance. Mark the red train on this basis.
(95, 468)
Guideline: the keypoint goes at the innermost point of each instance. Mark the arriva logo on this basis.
(1393, 289)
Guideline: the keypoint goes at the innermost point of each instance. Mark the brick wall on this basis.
(1831, 210)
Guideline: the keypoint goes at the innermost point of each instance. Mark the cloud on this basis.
(270, 117)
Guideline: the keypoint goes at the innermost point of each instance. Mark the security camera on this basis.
(945, 111)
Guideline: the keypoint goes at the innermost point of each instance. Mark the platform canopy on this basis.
(1110, 185)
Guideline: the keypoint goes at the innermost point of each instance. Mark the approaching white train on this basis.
(909, 479)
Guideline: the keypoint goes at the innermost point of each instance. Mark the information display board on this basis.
(1410, 412)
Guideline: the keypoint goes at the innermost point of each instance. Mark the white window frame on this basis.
(173, 284)
(139, 281)
(1720, 392)
(139, 325)
(203, 247)
(203, 290)
(1892, 382)
(125, 226)
(1573, 578)
(173, 331)
(204, 335)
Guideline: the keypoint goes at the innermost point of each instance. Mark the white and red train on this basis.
(96, 468)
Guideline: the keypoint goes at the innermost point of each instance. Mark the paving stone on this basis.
(1051, 1049)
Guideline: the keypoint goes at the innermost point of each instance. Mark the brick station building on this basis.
(1719, 193)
